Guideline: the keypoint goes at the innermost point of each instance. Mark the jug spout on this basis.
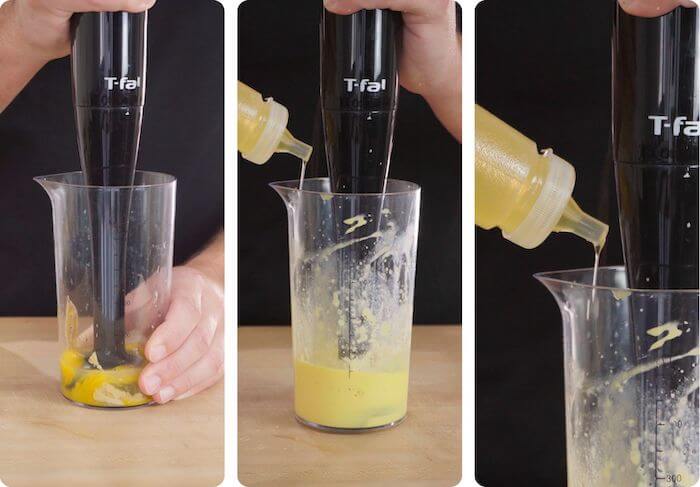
(292, 195)
(47, 184)
(53, 185)
(556, 288)
(56, 184)
(288, 191)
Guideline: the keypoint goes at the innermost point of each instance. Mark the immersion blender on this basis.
(656, 105)
(109, 80)
(656, 94)
(359, 97)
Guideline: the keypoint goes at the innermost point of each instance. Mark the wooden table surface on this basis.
(275, 450)
(47, 441)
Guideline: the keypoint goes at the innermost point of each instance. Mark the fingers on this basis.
(182, 317)
(145, 305)
(423, 8)
(196, 346)
(203, 374)
(186, 351)
(653, 8)
(102, 5)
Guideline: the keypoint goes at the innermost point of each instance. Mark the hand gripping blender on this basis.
(656, 105)
(359, 97)
(109, 81)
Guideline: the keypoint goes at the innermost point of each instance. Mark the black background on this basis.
(182, 135)
(278, 56)
(544, 67)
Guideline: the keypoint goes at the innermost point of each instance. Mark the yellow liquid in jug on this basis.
(341, 399)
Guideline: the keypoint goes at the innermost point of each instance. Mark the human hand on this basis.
(144, 309)
(431, 57)
(187, 350)
(653, 8)
(42, 27)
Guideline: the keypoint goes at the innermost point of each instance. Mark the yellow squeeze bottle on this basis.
(525, 193)
(262, 128)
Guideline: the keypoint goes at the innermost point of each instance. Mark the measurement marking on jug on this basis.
(656, 438)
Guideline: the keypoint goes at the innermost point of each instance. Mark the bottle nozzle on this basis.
(576, 221)
(295, 147)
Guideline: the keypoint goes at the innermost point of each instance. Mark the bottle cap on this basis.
(293, 146)
(271, 134)
(576, 221)
(549, 206)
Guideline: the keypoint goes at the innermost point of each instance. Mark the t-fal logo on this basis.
(365, 84)
(122, 83)
(678, 126)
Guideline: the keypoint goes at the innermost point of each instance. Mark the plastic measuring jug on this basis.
(631, 372)
(527, 194)
(262, 128)
(150, 207)
(352, 282)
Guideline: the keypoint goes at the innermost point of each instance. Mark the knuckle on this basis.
(189, 305)
(185, 306)
(137, 5)
(108, 5)
(201, 340)
(175, 367)
(185, 383)
(191, 299)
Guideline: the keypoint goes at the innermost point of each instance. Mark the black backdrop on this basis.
(278, 55)
(544, 67)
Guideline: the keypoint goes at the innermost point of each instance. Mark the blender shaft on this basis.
(109, 78)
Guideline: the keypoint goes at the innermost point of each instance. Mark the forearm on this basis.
(18, 61)
(210, 260)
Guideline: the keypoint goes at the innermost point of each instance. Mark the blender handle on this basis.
(108, 67)
(359, 96)
(108, 61)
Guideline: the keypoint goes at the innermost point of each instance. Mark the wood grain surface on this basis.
(275, 450)
(47, 441)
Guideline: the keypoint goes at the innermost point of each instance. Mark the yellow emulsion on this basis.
(82, 382)
(342, 399)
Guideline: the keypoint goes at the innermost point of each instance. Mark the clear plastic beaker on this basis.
(144, 213)
(352, 269)
(631, 371)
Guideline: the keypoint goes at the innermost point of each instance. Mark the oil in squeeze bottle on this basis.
(262, 128)
(524, 192)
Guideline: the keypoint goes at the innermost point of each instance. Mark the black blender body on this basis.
(109, 84)
(655, 146)
(359, 96)
(109, 79)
